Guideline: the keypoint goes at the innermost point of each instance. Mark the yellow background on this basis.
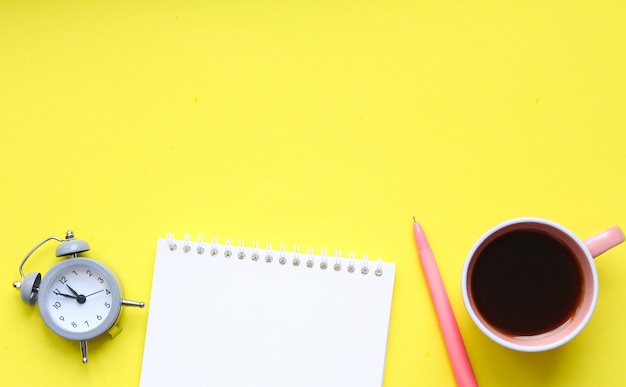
(322, 123)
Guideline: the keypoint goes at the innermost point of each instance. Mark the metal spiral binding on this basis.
(337, 266)
(228, 252)
(241, 254)
(365, 269)
(309, 260)
(268, 255)
(214, 246)
(255, 251)
(186, 244)
(281, 253)
(200, 247)
(351, 265)
(170, 241)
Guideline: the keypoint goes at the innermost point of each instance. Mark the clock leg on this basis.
(83, 349)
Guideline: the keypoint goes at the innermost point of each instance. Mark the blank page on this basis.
(218, 319)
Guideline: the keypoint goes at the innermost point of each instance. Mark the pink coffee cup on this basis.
(531, 285)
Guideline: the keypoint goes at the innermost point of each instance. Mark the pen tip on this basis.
(415, 221)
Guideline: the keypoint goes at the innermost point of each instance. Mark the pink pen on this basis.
(459, 360)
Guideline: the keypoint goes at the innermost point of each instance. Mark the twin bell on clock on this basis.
(79, 298)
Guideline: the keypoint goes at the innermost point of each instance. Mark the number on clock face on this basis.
(80, 299)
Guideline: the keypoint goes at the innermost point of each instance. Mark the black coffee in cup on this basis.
(526, 282)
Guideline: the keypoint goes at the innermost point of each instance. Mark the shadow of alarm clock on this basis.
(79, 298)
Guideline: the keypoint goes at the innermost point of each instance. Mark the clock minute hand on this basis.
(79, 297)
(72, 290)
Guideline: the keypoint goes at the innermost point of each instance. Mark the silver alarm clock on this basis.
(79, 298)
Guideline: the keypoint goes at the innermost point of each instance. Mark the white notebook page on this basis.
(225, 321)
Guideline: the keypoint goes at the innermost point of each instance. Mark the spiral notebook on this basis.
(235, 315)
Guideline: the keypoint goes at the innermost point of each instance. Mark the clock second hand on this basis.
(101, 290)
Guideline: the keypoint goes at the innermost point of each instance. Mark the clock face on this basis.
(79, 299)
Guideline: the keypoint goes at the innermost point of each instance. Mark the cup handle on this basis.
(604, 241)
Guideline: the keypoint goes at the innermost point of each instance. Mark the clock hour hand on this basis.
(58, 293)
